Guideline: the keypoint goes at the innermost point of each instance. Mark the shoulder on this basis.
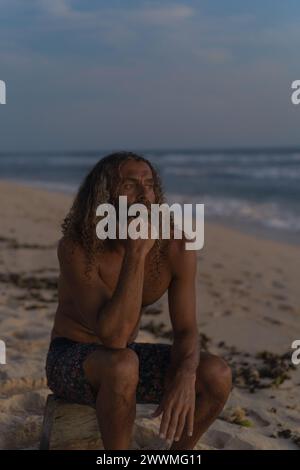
(182, 260)
(73, 258)
(178, 247)
(68, 250)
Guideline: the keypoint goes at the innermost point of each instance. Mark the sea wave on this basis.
(267, 214)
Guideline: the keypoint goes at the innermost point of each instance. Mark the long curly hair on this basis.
(102, 185)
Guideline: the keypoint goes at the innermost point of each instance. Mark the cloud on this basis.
(157, 71)
(163, 14)
(214, 55)
(60, 8)
(155, 14)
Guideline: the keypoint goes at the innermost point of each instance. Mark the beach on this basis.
(248, 311)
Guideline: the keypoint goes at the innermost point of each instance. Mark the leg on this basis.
(114, 375)
(213, 386)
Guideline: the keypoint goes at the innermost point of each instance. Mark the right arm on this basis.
(119, 316)
(112, 319)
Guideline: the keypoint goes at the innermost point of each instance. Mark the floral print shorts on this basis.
(66, 378)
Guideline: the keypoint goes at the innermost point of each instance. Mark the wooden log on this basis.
(69, 426)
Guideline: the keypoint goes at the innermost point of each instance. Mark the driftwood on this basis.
(69, 426)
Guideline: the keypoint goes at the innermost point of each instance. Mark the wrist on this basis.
(182, 371)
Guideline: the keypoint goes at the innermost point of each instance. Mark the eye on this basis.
(128, 186)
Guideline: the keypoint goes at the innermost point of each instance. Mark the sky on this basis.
(148, 74)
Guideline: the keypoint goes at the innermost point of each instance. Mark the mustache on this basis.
(139, 200)
(143, 201)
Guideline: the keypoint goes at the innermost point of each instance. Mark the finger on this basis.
(180, 426)
(165, 423)
(173, 425)
(190, 422)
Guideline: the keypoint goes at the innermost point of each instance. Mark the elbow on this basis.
(114, 340)
(112, 337)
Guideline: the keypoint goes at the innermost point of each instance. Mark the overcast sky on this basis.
(158, 74)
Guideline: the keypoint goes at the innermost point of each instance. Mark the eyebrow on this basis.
(131, 178)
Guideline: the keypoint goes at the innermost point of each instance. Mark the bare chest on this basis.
(156, 278)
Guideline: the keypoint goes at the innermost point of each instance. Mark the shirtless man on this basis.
(103, 287)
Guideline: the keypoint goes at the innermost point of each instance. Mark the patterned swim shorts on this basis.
(66, 378)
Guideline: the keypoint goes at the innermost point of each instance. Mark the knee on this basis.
(217, 378)
(123, 368)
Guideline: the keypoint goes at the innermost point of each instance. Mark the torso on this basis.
(67, 320)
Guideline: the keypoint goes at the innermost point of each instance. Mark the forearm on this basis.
(119, 316)
(185, 352)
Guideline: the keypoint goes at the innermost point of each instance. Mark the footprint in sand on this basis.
(273, 321)
(215, 294)
(247, 273)
(237, 282)
(227, 312)
(245, 308)
(279, 297)
(258, 419)
(218, 265)
(278, 284)
(286, 308)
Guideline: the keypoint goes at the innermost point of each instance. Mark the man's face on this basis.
(137, 182)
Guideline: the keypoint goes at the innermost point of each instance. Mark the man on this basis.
(103, 286)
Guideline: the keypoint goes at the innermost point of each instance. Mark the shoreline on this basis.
(252, 229)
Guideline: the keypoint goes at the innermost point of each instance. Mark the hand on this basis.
(177, 406)
(140, 245)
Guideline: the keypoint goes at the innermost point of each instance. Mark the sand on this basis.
(248, 312)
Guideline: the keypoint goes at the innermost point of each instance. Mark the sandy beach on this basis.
(248, 312)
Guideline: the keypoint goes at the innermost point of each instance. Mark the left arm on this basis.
(182, 307)
(178, 403)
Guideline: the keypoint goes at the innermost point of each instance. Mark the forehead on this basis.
(132, 168)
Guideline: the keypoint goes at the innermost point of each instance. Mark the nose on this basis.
(141, 190)
(141, 197)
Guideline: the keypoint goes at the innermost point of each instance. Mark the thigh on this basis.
(65, 372)
(154, 360)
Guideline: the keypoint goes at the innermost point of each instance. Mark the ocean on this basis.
(256, 190)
